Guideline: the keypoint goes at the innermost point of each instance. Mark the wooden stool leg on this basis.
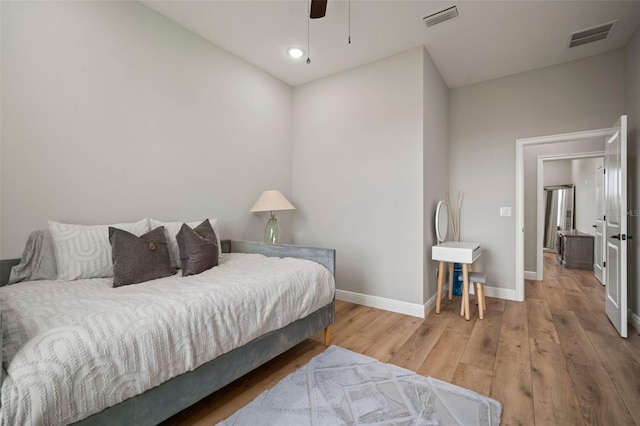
(462, 301)
(450, 281)
(476, 286)
(484, 301)
(465, 290)
(480, 299)
(440, 280)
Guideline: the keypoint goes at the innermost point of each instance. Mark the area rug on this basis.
(340, 387)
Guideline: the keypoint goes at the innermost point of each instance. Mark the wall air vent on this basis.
(441, 16)
(592, 34)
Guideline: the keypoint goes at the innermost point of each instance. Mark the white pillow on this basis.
(172, 228)
(84, 251)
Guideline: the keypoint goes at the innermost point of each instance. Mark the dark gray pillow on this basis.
(138, 259)
(198, 248)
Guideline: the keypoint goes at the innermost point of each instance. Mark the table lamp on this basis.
(272, 201)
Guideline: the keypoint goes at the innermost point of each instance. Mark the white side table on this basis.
(456, 252)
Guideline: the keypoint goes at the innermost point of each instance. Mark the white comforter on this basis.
(72, 349)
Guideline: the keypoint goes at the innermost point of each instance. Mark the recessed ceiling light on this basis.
(296, 52)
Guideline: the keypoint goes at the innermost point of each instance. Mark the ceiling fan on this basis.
(318, 9)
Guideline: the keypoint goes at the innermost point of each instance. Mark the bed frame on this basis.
(171, 397)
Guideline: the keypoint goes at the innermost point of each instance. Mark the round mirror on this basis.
(442, 221)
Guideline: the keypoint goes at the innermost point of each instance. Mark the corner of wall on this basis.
(371, 121)
(435, 167)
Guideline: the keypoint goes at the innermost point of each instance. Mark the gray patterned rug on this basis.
(340, 387)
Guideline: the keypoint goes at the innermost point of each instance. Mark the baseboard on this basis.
(634, 320)
(500, 293)
(430, 306)
(413, 309)
(530, 275)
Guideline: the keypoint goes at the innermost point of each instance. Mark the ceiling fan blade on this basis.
(318, 9)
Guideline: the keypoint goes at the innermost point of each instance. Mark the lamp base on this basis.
(272, 231)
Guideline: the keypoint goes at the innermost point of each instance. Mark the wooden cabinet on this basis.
(575, 250)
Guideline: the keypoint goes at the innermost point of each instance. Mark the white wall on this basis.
(632, 80)
(555, 172)
(358, 174)
(111, 112)
(583, 172)
(487, 118)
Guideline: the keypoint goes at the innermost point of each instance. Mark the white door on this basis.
(599, 246)
(615, 164)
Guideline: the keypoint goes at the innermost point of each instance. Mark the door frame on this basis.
(599, 175)
(540, 200)
(520, 145)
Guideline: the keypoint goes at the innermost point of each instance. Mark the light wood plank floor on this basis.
(552, 360)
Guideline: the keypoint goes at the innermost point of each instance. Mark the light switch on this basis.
(505, 211)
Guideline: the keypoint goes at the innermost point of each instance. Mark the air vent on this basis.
(592, 34)
(441, 16)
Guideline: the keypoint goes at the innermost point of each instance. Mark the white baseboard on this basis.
(413, 309)
(634, 320)
(500, 293)
(530, 275)
(431, 304)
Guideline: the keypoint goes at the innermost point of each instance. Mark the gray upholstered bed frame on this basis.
(173, 396)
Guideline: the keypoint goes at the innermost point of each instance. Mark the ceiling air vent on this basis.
(592, 34)
(441, 16)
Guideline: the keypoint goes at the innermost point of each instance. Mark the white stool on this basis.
(478, 279)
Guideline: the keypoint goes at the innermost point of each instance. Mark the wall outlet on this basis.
(505, 211)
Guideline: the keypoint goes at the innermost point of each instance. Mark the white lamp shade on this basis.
(271, 201)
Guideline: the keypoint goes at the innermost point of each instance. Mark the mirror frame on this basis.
(441, 238)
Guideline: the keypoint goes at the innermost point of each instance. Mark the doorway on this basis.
(614, 220)
(570, 207)
(578, 139)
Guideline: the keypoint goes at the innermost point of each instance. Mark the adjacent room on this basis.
(319, 212)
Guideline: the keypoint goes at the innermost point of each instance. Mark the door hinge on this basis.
(604, 264)
(604, 171)
(604, 218)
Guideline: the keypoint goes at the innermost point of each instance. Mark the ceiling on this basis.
(489, 39)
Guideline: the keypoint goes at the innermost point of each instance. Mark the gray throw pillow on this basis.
(198, 248)
(138, 259)
(38, 259)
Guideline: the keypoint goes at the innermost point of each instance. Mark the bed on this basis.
(208, 364)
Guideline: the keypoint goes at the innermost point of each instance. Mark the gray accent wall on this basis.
(632, 78)
(112, 112)
(485, 119)
(359, 172)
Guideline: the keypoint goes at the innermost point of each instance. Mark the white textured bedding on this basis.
(72, 349)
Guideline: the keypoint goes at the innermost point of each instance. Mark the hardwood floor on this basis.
(552, 360)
